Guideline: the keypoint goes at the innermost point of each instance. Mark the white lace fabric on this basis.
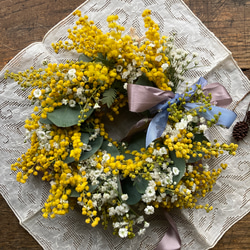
(198, 229)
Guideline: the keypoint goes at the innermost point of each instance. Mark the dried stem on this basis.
(242, 100)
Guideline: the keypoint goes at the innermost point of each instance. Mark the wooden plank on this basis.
(24, 22)
(229, 20)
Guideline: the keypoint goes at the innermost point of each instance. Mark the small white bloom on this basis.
(195, 54)
(189, 118)
(174, 198)
(146, 224)
(119, 68)
(71, 71)
(199, 91)
(195, 119)
(96, 106)
(163, 151)
(125, 85)
(190, 168)
(45, 62)
(79, 91)
(141, 231)
(202, 120)
(149, 160)
(71, 74)
(140, 219)
(72, 103)
(149, 210)
(158, 58)
(105, 157)
(124, 197)
(123, 232)
(176, 171)
(52, 183)
(64, 101)
(203, 127)
(205, 167)
(37, 93)
(164, 66)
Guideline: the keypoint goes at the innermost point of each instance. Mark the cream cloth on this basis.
(198, 229)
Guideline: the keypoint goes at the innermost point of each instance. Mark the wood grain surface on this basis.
(23, 22)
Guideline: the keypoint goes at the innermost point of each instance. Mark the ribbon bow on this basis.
(142, 98)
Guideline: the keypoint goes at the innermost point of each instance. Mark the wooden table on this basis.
(24, 22)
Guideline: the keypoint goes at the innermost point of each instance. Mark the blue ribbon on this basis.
(159, 122)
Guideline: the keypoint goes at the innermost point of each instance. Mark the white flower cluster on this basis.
(43, 136)
(180, 61)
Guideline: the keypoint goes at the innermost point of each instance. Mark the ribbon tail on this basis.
(220, 96)
(171, 240)
(226, 118)
(138, 127)
(156, 127)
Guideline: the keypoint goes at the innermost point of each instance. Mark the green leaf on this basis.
(178, 163)
(198, 138)
(45, 121)
(92, 187)
(110, 148)
(109, 96)
(143, 80)
(103, 59)
(119, 186)
(85, 140)
(118, 85)
(69, 159)
(84, 58)
(96, 144)
(65, 116)
(129, 188)
(137, 142)
(74, 193)
(141, 184)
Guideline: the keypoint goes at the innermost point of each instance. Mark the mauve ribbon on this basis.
(142, 98)
(171, 240)
(220, 96)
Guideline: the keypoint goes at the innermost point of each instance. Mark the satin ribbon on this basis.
(142, 98)
(171, 240)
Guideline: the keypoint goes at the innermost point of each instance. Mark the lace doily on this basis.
(198, 229)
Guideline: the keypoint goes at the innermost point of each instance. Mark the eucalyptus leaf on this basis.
(143, 80)
(85, 140)
(69, 159)
(96, 144)
(84, 58)
(74, 193)
(110, 148)
(198, 138)
(103, 59)
(197, 158)
(141, 184)
(92, 187)
(45, 121)
(130, 189)
(178, 163)
(65, 116)
(119, 186)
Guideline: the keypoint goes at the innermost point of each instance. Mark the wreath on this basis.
(111, 134)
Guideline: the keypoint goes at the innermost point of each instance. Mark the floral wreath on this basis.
(121, 79)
